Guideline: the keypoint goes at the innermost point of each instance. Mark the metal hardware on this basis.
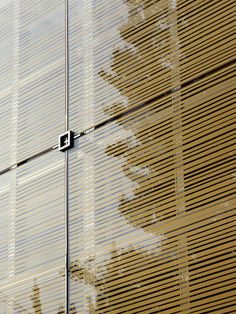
(66, 141)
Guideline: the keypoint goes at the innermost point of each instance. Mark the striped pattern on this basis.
(42, 293)
(4, 223)
(32, 79)
(136, 46)
(6, 44)
(152, 184)
(6, 79)
(5, 122)
(39, 217)
(41, 76)
(153, 223)
(32, 234)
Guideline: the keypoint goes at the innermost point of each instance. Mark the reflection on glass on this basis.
(73, 309)
(35, 297)
(130, 265)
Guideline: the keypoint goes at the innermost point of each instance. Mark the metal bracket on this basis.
(65, 141)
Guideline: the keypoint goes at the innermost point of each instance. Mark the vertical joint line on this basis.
(67, 65)
(67, 257)
(67, 247)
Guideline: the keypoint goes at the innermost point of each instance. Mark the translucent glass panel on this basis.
(42, 293)
(32, 78)
(151, 203)
(42, 33)
(6, 78)
(115, 58)
(32, 236)
(6, 129)
(40, 114)
(127, 53)
(6, 44)
(152, 214)
(32, 222)
(39, 215)
(4, 223)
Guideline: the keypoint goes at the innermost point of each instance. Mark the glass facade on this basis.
(139, 216)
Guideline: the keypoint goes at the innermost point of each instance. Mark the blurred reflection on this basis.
(35, 297)
(142, 155)
(12, 304)
(140, 61)
(125, 274)
(41, 295)
(130, 270)
(73, 310)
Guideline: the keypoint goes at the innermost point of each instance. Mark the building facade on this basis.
(139, 216)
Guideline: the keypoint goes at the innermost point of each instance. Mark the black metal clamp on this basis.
(65, 141)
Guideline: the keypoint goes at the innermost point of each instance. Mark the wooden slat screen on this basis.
(6, 76)
(32, 79)
(5, 122)
(32, 235)
(152, 223)
(4, 223)
(43, 293)
(151, 179)
(40, 53)
(127, 53)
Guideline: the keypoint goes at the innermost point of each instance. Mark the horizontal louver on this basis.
(40, 113)
(6, 79)
(41, 88)
(42, 293)
(6, 130)
(39, 215)
(152, 210)
(151, 180)
(125, 54)
(4, 224)
(41, 35)
(6, 45)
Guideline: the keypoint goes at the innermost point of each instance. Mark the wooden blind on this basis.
(32, 236)
(153, 231)
(151, 179)
(152, 205)
(32, 80)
